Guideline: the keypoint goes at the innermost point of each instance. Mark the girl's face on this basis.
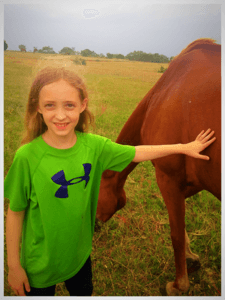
(60, 106)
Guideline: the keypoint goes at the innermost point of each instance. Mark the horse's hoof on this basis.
(169, 290)
(192, 265)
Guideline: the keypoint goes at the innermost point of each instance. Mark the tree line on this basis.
(134, 56)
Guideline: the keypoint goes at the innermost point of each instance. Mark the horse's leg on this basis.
(188, 252)
(175, 202)
(192, 259)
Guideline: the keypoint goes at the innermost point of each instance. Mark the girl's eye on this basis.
(70, 105)
(48, 105)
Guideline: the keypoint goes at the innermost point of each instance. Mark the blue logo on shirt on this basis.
(59, 178)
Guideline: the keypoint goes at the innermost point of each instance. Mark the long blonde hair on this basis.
(33, 122)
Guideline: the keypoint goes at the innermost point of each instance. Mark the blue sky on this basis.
(110, 26)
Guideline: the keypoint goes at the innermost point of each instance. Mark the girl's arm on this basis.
(14, 224)
(191, 149)
(17, 276)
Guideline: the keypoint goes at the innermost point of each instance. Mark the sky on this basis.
(117, 27)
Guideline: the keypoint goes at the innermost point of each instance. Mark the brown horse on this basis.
(184, 101)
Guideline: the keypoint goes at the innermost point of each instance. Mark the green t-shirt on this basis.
(58, 189)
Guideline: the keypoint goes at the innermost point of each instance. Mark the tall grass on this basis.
(132, 253)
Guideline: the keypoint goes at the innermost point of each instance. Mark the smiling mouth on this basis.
(61, 125)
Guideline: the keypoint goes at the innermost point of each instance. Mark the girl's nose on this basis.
(60, 115)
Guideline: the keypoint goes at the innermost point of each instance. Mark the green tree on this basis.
(88, 52)
(156, 57)
(35, 49)
(109, 55)
(67, 50)
(148, 57)
(5, 46)
(136, 55)
(47, 50)
(164, 58)
(119, 56)
(22, 48)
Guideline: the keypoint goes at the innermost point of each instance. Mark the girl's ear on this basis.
(84, 104)
(39, 110)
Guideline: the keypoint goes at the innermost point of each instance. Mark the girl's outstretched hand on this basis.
(201, 142)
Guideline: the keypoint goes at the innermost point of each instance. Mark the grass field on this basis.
(132, 253)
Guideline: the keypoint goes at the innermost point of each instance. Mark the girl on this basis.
(53, 186)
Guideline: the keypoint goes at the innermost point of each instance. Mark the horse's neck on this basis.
(131, 131)
(131, 134)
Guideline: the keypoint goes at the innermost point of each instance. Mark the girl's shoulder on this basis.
(31, 149)
(27, 157)
(92, 140)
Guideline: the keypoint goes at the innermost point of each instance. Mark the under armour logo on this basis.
(59, 178)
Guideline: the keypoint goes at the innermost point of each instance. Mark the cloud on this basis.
(90, 13)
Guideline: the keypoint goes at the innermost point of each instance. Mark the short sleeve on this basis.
(17, 183)
(116, 157)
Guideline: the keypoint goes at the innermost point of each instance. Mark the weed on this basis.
(162, 70)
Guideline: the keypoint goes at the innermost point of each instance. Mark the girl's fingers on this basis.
(206, 144)
(208, 137)
(205, 157)
(200, 134)
(205, 136)
(210, 142)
